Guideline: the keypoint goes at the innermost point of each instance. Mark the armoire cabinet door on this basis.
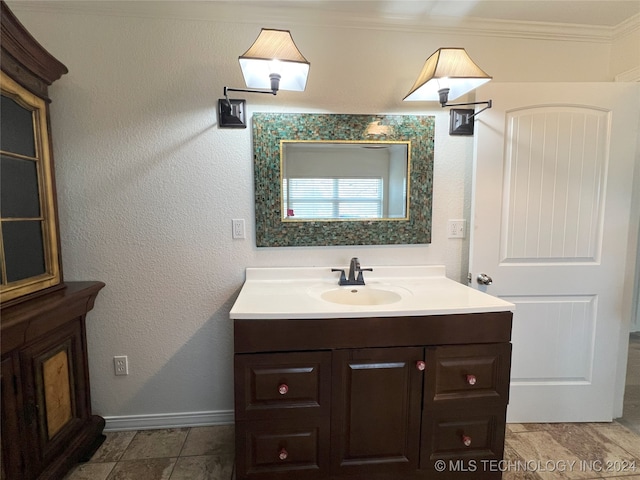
(29, 233)
(54, 395)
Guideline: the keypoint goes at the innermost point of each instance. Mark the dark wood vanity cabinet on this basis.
(377, 398)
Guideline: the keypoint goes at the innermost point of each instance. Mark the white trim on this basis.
(627, 27)
(264, 15)
(168, 420)
(632, 75)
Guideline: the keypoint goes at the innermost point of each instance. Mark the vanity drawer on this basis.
(282, 385)
(466, 441)
(469, 372)
(272, 449)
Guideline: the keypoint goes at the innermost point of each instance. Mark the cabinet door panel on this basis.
(29, 237)
(54, 375)
(376, 409)
(58, 390)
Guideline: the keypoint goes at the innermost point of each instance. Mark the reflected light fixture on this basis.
(272, 63)
(448, 74)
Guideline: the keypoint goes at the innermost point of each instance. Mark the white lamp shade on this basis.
(274, 52)
(450, 68)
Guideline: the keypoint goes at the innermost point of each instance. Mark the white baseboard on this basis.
(168, 420)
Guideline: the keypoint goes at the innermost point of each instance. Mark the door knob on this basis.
(484, 279)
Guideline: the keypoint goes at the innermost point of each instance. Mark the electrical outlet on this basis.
(237, 228)
(457, 228)
(121, 365)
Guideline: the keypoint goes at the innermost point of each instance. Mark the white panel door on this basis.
(550, 216)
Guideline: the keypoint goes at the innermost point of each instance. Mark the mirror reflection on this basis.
(344, 180)
(281, 219)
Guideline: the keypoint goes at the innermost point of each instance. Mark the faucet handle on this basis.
(360, 278)
(343, 277)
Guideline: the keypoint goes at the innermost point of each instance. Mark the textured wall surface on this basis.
(148, 184)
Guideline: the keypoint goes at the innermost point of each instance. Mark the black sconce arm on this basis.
(488, 104)
(274, 78)
(231, 112)
(247, 90)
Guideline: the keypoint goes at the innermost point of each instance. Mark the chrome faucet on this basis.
(354, 268)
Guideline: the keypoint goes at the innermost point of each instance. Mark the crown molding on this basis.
(239, 12)
(629, 26)
(632, 75)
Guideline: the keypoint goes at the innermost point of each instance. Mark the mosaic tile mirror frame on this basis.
(273, 231)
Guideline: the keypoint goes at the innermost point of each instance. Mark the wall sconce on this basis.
(448, 74)
(272, 63)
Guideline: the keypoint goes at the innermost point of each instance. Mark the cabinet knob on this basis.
(283, 389)
(471, 379)
(283, 454)
(420, 365)
(466, 439)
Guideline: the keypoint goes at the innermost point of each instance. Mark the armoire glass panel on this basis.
(16, 128)
(19, 195)
(23, 249)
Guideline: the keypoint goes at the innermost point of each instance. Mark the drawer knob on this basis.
(420, 365)
(471, 379)
(283, 454)
(466, 439)
(283, 389)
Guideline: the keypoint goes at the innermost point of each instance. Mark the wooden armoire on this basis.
(47, 423)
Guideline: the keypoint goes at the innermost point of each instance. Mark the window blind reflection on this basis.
(333, 198)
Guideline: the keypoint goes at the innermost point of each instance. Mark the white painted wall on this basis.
(148, 184)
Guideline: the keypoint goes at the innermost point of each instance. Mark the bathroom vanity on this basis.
(405, 377)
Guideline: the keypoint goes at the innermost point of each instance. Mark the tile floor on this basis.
(198, 453)
(532, 451)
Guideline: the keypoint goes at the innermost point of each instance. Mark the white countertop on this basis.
(294, 293)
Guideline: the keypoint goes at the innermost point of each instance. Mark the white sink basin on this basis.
(360, 295)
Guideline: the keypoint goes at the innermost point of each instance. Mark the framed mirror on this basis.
(340, 179)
